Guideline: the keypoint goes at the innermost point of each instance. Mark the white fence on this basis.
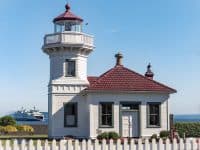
(188, 144)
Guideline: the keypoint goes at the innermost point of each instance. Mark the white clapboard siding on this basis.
(133, 144)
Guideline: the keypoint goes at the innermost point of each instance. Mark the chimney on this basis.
(118, 57)
(149, 74)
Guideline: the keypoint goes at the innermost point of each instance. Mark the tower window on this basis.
(70, 68)
(70, 115)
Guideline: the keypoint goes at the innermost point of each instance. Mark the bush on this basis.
(164, 134)
(154, 136)
(9, 129)
(108, 135)
(191, 129)
(103, 135)
(25, 128)
(113, 135)
(28, 128)
(1, 129)
(19, 128)
(7, 120)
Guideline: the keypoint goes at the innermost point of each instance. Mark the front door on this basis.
(130, 124)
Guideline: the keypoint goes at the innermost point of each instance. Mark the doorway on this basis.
(130, 120)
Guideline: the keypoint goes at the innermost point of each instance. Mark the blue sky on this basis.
(165, 33)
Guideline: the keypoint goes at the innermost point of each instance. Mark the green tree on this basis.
(7, 120)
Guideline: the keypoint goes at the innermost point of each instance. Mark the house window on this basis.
(153, 115)
(70, 115)
(106, 114)
(70, 67)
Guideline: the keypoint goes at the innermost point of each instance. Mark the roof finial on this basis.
(149, 74)
(149, 66)
(67, 6)
(118, 57)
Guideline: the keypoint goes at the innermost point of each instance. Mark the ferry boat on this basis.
(28, 115)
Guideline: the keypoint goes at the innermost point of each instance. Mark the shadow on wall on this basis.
(72, 116)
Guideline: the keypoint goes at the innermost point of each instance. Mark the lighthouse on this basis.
(119, 101)
(68, 48)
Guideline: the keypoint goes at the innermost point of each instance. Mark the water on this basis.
(177, 118)
(187, 118)
(45, 122)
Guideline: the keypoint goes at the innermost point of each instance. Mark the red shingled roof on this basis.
(67, 15)
(120, 78)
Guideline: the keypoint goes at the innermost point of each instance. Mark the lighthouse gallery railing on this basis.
(69, 37)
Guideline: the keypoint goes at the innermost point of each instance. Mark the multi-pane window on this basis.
(70, 67)
(153, 114)
(70, 115)
(106, 114)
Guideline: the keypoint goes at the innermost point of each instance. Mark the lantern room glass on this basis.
(67, 26)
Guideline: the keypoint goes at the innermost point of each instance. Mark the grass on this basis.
(35, 136)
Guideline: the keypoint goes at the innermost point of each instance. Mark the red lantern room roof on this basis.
(67, 15)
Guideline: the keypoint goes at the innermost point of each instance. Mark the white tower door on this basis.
(130, 124)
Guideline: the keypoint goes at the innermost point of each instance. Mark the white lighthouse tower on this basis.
(68, 48)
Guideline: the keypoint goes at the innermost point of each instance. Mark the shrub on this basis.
(164, 134)
(1, 129)
(9, 129)
(154, 136)
(19, 128)
(25, 128)
(7, 120)
(103, 135)
(108, 135)
(191, 129)
(28, 128)
(113, 135)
